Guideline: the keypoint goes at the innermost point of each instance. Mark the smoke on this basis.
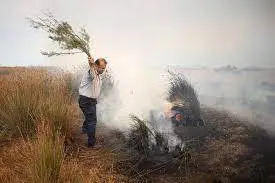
(164, 126)
(248, 92)
(137, 90)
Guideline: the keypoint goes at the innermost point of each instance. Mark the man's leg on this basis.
(84, 126)
(84, 104)
(91, 124)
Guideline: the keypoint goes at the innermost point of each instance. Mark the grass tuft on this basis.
(182, 93)
(139, 137)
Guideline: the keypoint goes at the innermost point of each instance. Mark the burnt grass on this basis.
(226, 149)
(233, 149)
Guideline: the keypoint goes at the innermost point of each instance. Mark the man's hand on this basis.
(91, 61)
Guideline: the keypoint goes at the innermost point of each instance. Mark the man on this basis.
(89, 91)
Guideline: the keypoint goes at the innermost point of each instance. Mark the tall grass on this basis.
(39, 161)
(182, 93)
(48, 156)
(30, 96)
(38, 105)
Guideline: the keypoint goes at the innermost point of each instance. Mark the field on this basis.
(40, 141)
(38, 120)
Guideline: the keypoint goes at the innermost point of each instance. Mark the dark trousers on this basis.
(88, 107)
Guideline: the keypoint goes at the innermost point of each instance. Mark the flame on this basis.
(179, 117)
(167, 109)
(169, 113)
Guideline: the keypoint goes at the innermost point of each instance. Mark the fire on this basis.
(167, 109)
(179, 117)
(169, 113)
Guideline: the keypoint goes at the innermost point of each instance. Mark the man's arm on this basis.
(91, 61)
(92, 66)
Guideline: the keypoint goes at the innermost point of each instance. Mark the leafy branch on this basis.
(62, 33)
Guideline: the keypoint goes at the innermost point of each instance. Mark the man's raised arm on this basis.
(91, 61)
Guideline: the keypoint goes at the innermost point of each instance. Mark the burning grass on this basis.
(225, 149)
(39, 107)
(230, 149)
(182, 95)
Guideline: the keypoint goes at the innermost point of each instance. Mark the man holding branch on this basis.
(72, 42)
(89, 91)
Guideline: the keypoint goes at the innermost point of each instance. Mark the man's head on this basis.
(100, 65)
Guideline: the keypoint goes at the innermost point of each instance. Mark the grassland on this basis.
(40, 141)
(38, 118)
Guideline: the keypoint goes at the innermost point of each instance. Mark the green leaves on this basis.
(62, 33)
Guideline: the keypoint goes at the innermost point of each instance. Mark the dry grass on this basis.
(100, 166)
(38, 106)
(43, 160)
(37, 160)
(29, 96)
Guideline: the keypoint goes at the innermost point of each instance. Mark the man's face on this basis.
(101, 67)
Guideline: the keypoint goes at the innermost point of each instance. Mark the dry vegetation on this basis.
(40, 141)
(31, 96)
(37, 119)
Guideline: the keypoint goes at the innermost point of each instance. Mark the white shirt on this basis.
(91, 83)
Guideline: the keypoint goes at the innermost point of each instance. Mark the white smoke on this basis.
(139, 91)
(243, 92)
(163, 124)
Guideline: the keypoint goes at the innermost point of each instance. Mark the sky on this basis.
(148, 32)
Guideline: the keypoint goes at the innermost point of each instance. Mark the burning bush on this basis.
(146, 138)
(184, 98)
(148, 148)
